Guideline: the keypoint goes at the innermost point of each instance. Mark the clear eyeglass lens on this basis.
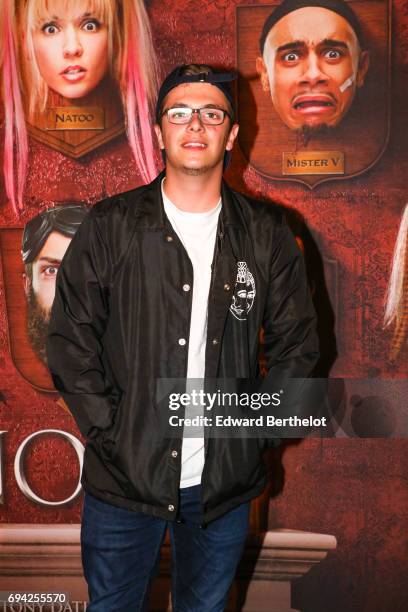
(208, 116)
(212, 116)
(179, 115)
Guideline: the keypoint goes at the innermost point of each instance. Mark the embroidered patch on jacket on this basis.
(244, 292)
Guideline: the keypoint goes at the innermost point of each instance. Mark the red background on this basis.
(352, 488)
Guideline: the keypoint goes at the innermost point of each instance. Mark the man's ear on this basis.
(231, 137)
(263, 73)
(27, 284)
(159, 135)
(363, 65)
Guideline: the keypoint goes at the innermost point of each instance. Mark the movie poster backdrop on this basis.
(331, 149)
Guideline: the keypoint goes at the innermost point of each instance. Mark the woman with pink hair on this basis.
(69, 47)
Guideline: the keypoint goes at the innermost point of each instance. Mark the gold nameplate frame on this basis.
(313, 162)
(76, 118)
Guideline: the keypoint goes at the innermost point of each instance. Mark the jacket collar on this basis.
(149, 210)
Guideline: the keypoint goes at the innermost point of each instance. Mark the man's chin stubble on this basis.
(307, 132)
(196, 171)
(37, 326)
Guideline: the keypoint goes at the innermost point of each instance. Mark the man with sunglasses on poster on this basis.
(174, 280)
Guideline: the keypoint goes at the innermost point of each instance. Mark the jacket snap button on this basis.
(174, 453)
(182, 341)
(215, 341)
(227, 287)
(169, 238)
(170, 507)
(186, 287)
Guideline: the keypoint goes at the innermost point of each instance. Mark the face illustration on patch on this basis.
(244, 292)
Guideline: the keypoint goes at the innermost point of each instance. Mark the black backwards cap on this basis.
(340, 7)
(222, 80)
(63, 219)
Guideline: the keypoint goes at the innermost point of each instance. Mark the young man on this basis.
(174, 280)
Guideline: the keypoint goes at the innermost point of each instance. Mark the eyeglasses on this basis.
(182, 115)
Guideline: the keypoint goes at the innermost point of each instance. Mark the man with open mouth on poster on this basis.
(313, 61)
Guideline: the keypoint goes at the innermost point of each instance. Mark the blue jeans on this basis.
(120, 553)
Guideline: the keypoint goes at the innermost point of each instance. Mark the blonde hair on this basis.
(32, 14)
(396, 309)
(132, 65)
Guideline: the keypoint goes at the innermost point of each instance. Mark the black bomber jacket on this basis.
(119, 312)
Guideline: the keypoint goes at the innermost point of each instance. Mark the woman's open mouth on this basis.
(73, 73)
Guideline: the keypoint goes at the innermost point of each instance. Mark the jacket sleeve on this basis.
(290, 338)
(291, 343)
(78, 320)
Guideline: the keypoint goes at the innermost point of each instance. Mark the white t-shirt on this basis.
(197, 232)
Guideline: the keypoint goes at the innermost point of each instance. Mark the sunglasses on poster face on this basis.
(65, 220)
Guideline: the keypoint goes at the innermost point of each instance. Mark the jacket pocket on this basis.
(108, 437)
